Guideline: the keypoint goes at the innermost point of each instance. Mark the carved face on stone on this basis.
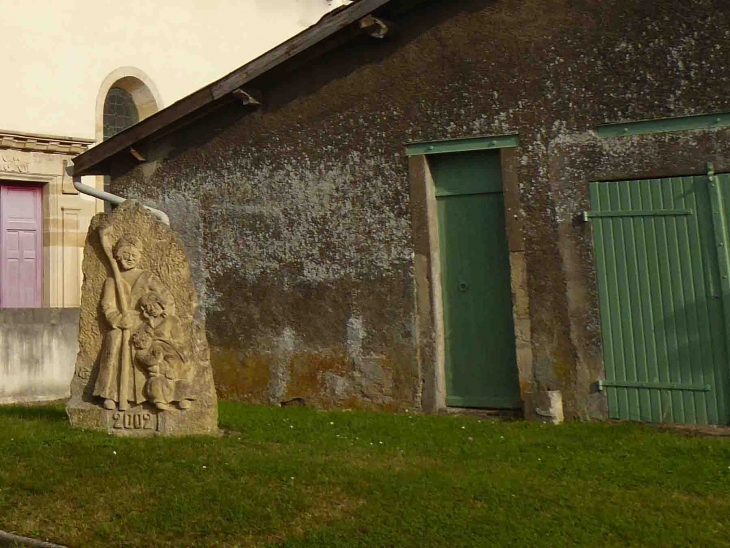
(127, 252)
(152, 305)
(128, 257)
(141, 339)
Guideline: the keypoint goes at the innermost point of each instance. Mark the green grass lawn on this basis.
(299, 477)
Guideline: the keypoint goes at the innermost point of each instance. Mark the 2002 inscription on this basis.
(134, 421)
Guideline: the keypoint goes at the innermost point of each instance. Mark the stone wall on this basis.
(38, 349)
(297, 215)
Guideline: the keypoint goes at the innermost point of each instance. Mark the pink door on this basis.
(20, 246)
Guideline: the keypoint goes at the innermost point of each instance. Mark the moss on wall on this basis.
(297, 214)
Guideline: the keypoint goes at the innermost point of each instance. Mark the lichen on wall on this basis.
(297, 213)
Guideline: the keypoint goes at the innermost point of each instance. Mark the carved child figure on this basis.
(158, 350)
(161, 362)
(158, 314)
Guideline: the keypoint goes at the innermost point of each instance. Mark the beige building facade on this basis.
(53, 107)
(81, 72)
(63, 51)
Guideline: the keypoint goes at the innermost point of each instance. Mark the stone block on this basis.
(523, 333)
(544, 405)
(143, 366)
(38, 347)
(520, 296)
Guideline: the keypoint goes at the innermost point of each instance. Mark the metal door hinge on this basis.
(588, 215)
(602, 383)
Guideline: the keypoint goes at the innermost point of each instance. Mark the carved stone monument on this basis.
(143, 366)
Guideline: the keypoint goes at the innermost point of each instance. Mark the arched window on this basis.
(126, 96)
(120, 112)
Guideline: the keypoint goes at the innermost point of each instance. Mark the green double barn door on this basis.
(480, 360)
(662, 266)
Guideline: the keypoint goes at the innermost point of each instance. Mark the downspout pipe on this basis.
(114, 199)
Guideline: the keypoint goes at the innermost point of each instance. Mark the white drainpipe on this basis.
(114, 199)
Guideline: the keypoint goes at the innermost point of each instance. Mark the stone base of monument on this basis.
(144, 420)
(141, 340)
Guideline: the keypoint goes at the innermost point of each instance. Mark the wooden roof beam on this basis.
(252, 98)
(95, 160)
(375, 26)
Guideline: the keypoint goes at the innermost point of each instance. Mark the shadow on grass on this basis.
(46, 413)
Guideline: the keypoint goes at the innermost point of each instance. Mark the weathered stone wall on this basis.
(297, 214)
(37, 351)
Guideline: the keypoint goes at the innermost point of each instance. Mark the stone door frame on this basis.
(427, 268)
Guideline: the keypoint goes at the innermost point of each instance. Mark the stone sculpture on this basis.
(143, 364)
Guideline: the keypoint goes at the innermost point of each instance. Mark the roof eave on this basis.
(96, 160)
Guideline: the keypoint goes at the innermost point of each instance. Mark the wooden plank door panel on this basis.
(662, 319)
(480, 359)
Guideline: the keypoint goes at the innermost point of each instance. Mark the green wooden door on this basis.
(661, 297)
(480, 362)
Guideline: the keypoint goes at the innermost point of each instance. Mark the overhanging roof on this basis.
(89, 163)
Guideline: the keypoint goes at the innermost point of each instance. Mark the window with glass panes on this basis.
(120, 112)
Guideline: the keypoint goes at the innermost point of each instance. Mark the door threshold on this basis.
(484, 413)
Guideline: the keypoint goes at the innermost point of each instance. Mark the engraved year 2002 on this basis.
(133, 421)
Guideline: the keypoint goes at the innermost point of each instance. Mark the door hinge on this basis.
(603, 383)
(588, 215)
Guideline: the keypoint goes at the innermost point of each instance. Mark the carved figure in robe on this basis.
(160, 351)
(119, 381)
